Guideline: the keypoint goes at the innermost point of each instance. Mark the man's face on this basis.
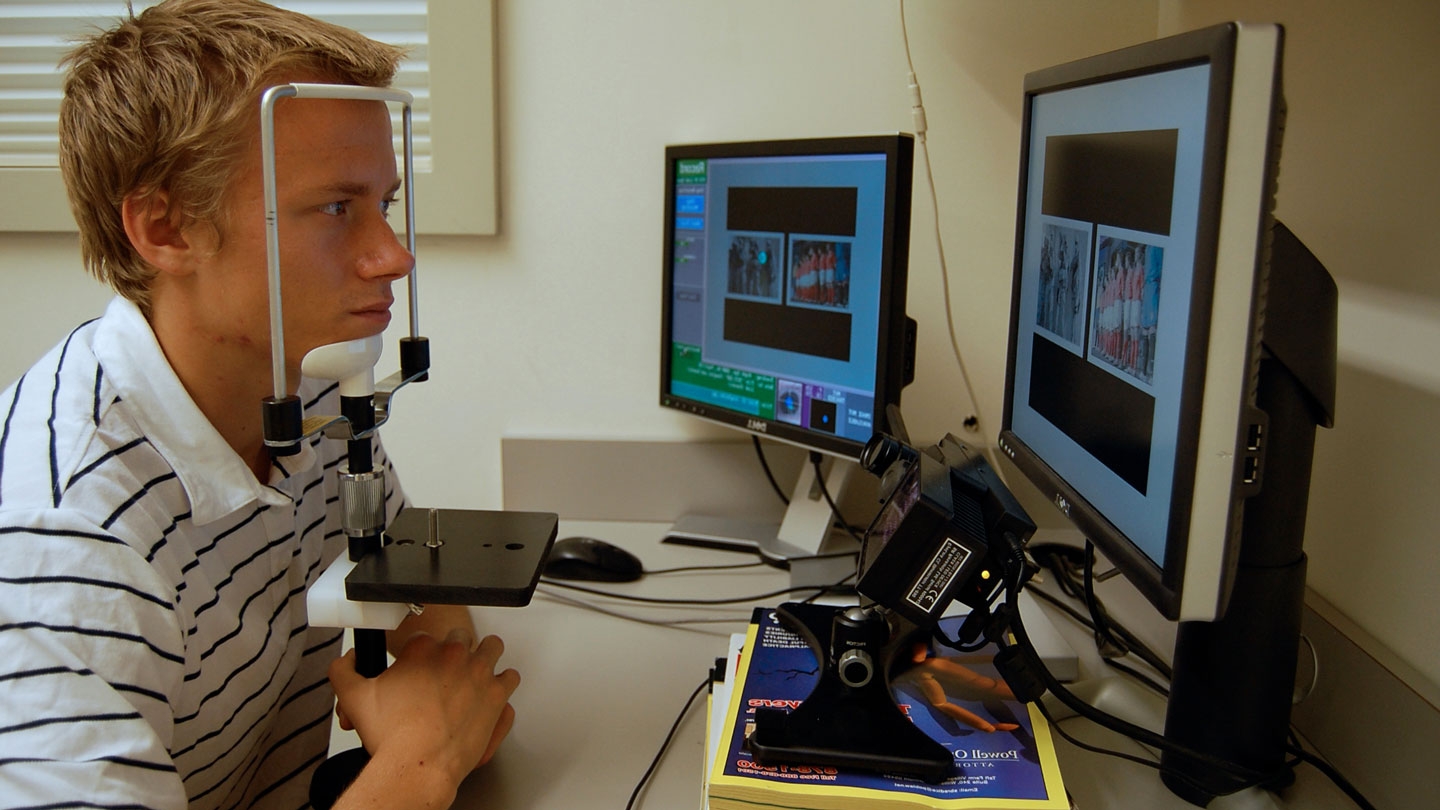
(335, 179)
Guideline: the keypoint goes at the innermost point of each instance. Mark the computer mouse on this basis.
(591, 559)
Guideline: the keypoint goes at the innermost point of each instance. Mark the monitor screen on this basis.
(1145, 191)
(784, 286)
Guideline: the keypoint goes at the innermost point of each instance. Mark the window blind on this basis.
(451, 68)
(35, 35)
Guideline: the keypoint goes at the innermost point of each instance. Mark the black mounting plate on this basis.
(487, 558)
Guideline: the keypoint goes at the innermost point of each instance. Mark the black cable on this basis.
(1054, 558)
(664, 745)
(1055, 602)
(765, 465)
(676, 624)
(956, 644)
(1109, 752)
(840, 520)
(839, 586)
(1116, 724)
(849, 527)
(828, 556)
(1080, 619)
(1155, 686)
(735, 566)
(657, 601)
(1057, 559)
(1106, 641)
(1335, 776)
(834, 509)
(756, 564)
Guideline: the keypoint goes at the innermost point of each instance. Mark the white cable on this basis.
(974, 424)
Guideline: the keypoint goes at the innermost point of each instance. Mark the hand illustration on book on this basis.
(941, 680)
(945, 683)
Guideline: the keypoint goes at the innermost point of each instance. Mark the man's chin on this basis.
(357, 328)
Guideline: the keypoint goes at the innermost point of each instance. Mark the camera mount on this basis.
(949, 530)
(849, 719)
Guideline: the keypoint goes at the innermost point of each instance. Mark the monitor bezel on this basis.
(894, 361)
(1226, 313)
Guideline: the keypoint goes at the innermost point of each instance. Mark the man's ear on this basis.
(153, 225)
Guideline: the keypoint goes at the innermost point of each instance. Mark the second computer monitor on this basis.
(784, 306)
(784, 300)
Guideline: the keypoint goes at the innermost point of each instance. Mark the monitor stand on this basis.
(803, 542)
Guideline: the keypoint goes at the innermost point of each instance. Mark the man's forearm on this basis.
(394, 783)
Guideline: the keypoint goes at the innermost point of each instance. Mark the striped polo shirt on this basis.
(154, 648)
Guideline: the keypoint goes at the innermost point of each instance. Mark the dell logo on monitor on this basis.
(756, 425)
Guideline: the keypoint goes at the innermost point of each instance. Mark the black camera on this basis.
(948, 529)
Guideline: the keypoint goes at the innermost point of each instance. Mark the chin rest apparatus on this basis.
(426, 556)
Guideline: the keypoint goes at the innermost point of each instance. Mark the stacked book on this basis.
(1003, 752)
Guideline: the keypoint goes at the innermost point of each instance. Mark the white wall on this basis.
(564, 305)
(551, 328)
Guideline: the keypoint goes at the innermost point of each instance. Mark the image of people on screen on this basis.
(1126, 303)
(752, 269)
(1064, 274)
(820, 273)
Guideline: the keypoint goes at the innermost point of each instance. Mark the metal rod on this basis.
(272, 228)
(412, 284)
(272, 234)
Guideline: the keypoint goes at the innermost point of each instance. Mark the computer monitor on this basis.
(784, 307)
(1171, 350)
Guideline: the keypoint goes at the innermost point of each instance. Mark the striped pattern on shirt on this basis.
(148, 660)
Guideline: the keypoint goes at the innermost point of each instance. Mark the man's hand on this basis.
(436, 714)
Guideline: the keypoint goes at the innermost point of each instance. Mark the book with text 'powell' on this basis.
(953, 698)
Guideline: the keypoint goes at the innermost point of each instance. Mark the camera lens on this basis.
(855, 668)
(879, 453)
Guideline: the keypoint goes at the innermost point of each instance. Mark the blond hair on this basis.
(169, 100)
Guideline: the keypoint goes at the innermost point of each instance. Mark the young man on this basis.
(153, 629)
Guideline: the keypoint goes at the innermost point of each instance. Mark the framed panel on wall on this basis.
(450, 72)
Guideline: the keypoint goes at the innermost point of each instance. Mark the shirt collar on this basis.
(216, 480)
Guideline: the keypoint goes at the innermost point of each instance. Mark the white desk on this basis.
(599, 693)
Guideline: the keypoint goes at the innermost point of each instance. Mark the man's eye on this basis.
(385, 205)
(336, 209)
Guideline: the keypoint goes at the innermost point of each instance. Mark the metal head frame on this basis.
(285, 423)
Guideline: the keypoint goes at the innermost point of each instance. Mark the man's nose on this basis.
(385, 256)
